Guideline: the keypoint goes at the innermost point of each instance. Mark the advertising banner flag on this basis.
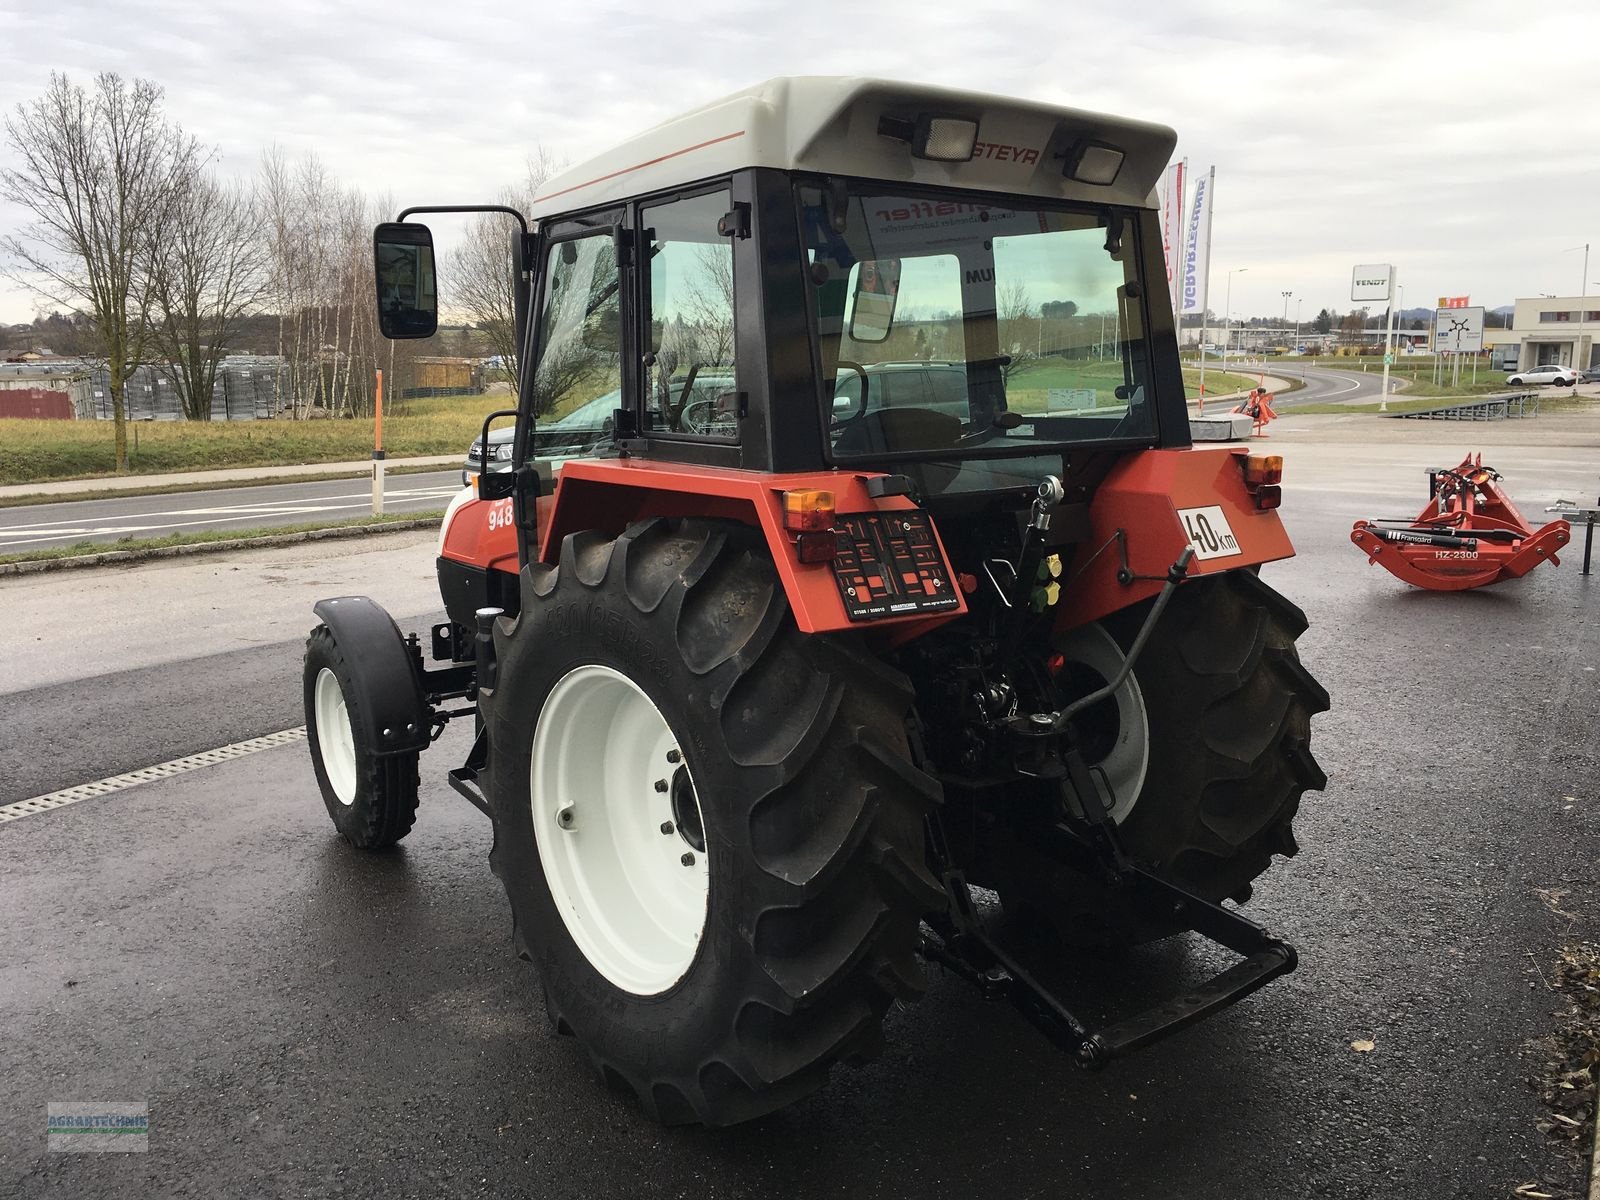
(1454, 301)
(1172, 227)
(1197, 245)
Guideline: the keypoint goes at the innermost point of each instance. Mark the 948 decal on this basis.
(500, 516)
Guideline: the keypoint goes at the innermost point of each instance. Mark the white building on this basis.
(1547, 330)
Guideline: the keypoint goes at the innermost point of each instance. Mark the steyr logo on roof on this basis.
(1025, 155)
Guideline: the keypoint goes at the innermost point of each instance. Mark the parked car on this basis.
(1592, 375)
(1554, 373)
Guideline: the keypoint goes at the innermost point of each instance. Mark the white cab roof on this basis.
(829, 125)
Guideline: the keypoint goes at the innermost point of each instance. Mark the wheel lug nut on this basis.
(666, 827)
(661, 785)
(687, 860)
(674, 756)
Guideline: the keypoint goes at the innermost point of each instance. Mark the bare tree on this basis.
(1018, 326)
(208, 273)
(479, 270)
(99, 176)
(318, 255)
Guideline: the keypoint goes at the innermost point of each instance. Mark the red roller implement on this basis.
(1469, 535)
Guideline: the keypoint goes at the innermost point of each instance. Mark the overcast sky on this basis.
(1456, 140)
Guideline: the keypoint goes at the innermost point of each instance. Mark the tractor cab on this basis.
(880, 276)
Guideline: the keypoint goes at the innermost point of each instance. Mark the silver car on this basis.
(1554, 373)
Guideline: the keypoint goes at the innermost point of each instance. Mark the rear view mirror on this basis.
(872, 304)
(408, 302)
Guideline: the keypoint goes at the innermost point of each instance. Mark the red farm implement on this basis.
(1469, 535)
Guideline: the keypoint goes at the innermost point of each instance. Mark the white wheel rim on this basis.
(1129, 756)
(630, 885)
(335, 742)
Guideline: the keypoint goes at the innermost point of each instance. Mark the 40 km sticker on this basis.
(1209, 531)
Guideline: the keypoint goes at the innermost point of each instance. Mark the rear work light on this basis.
(1093, 162)
(1263, 468)
(808, 511)
(934, 137)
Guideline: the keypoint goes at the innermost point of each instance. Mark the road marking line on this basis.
(177, 766)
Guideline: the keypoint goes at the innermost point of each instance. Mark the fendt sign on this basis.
(1371, 281)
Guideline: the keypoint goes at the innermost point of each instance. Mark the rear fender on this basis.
(1147, 511)
(611, 494)
(390, 702)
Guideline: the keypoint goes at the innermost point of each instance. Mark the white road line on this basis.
(31, 534)
(260, 508)
(177, 766)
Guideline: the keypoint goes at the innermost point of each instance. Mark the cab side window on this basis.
(577, 379)
(691, 384)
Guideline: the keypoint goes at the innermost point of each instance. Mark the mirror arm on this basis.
(466, 208)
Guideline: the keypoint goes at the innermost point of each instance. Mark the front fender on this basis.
(391, 705)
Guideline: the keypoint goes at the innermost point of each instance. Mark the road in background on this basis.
(265, 506)
(357, 1025)
(1323, 384)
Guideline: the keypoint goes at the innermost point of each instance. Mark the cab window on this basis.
(691, 378)
(577, 378)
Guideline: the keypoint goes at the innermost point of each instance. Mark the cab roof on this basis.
(830, 125)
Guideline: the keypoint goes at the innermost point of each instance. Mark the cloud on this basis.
(1433, 138)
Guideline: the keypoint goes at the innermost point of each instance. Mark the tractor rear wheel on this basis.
(1206, 751)
(708, 824)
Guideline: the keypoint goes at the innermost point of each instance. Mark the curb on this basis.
(111, 557)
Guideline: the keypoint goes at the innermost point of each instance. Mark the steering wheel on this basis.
(1003, 423)
(701, 416)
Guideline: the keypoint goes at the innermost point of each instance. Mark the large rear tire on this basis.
(724, 902)
(1223, 708)
(372, 799)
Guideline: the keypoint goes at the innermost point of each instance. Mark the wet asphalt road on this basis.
(308, 1021)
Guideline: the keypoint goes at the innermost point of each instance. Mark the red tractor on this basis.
(850, 553)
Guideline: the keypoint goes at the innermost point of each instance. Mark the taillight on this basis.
(1263, 469)
(1269, 495)
(809, 511)
(816, 546)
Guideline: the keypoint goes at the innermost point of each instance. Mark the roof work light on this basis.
(934, 137)
(1093, 162)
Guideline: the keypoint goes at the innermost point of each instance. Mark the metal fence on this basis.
(248, 388)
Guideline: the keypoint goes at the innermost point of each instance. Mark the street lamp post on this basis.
(1298, 352)
(1227, 310)
(1583, 303)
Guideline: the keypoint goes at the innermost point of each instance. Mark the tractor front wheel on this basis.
(371, 798)
(708, 824)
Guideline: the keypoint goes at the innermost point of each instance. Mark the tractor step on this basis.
(1216, 993)
(971, 953)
